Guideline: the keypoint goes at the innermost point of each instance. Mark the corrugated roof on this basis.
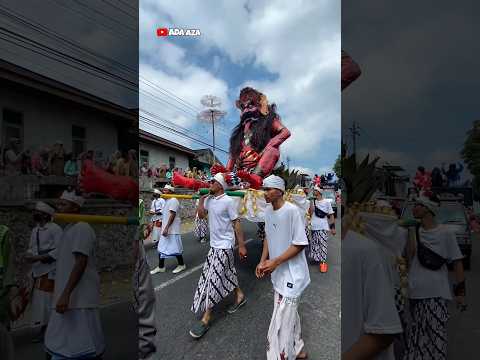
(149, 137)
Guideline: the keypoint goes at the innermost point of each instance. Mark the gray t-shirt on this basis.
(368, 305)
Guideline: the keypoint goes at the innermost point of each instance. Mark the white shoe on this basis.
(157, 270)
(179, 268)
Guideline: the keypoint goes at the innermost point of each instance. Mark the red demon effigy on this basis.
(350, 70)
(254, 144)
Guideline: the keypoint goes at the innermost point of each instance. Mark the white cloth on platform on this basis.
(385, 230)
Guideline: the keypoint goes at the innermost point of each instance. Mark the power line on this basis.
(169, 93)
(111, 29)
(178, 133)
(64, 41)
(169, 122)
(128, 5)
(120, 9)
(63, 62)
(105, 16)
(124, 82)
(72, 45)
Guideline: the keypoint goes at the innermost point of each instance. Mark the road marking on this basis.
(185, 274)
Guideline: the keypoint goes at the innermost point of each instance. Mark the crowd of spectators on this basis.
(55, 160)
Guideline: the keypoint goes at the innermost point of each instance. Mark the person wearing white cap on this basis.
(170, 243)
(321, 212)
(200, 229)
(56, 160)
(13, 157)
(284, 258)
(44, 239)
(74, 330)
(219, 276)
(156, 208)
(429, 292)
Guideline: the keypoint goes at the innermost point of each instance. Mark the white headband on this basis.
(274, 182)
(169, 187)
(72, 197)
(221, 180)
(45, 208)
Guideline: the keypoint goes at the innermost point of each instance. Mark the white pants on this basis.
(284, 334)
(41, 307)
(77, 333)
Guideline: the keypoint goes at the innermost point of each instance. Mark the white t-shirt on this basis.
(424, 283)
(78, 238)
(285, 227)
(49, 237)
(222, 210)
(156, 207)
(171, 205)
(318, 223)
(368, 300)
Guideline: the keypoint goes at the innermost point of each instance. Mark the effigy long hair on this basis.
(261, 129)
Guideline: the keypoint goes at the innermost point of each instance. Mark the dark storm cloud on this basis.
(417, 95)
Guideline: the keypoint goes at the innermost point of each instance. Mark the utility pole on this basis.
(355, 132)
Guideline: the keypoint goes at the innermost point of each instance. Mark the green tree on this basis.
(337, 167)
(471, 155)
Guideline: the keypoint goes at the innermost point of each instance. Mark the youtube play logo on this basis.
(162, 32)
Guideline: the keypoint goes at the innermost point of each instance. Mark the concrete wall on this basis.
(53, 119)
(114, 242)
(159, 155)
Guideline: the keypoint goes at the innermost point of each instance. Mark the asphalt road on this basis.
(243, 334)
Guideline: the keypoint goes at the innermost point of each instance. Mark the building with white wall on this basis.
(157, 152)
(40, 111)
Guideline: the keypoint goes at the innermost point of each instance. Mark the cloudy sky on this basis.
(289, 50)
(418, 94)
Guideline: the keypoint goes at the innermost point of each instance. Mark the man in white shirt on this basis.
(156, 211)
(429, 287)
(13, 157)
(170, 243)
(44, 239)
(370, 320)
(321, 212)
(74, 330)
(219, 276)
(284, 258)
